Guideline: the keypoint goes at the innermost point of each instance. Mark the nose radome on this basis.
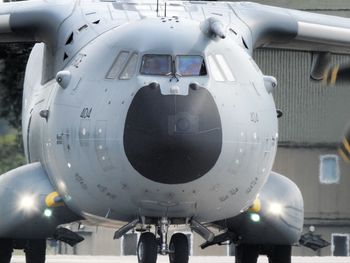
(172, 139)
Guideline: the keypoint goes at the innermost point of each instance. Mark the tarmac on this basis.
(133, 259)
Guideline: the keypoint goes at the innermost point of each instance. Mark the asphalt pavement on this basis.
(113, 259)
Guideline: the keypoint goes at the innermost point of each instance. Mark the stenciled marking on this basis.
(81, 181)
(252, 185)
(86, 113)
(104, 190)
(231, 192)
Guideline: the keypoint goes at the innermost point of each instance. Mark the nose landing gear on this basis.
(149, 246)
(178, 248)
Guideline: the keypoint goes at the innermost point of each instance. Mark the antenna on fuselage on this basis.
(213, 27)
(165, 10)
(157, 7)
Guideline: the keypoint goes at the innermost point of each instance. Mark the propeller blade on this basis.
(344, 148)
(336, 74)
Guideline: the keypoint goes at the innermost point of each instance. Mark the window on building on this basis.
(156, 65)
(118, 65)
(190, 66)
(340, 245)
(129, 70)
(329, 169)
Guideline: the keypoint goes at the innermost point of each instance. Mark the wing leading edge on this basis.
(274, 27)
(33, 21)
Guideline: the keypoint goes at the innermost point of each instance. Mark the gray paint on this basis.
(20, 219)
(274, 227)
(102, 186)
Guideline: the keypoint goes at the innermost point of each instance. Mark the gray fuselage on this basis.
(177, 146)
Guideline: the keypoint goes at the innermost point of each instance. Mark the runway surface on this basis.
(111, 259)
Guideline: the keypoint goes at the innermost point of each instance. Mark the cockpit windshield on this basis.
(156, 65)
(188, 65)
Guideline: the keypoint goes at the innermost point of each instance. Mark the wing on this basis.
(275, 27)
(33, 21)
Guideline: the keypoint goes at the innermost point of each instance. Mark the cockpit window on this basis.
(156, 65)
(225, 68)
(214, 69)
(118, 64)
(190, 66)
(129, 70)
(219, 68)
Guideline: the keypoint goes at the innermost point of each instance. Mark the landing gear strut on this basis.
(163, 233)
(6, 248)
(246, 253)
(280, 254)
(35, 250)
(149, 246)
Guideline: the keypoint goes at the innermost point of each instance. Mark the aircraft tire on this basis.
(280, 254)
(247, 253)
(35, 251)
(147, 248)
(179, 248)
(6, 248)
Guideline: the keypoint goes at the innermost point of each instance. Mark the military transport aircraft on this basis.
(155, 114)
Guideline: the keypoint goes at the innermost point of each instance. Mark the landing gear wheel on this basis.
(35, 251)
(247, 253)
(6, 248)
(280, 254)
(178, 248)
(147, 248)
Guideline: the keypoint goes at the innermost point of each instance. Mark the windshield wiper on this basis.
(175, 74)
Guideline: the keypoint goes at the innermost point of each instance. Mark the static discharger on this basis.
(54, 200)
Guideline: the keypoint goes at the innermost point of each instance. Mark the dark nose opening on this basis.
(172, 139)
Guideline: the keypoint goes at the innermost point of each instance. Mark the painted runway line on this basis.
(133, 259)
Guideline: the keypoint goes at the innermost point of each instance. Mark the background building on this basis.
(315, 117)
(310, 130)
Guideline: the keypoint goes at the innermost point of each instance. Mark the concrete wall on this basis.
(317, 5)
(313, 112)
(326, 205)
(322, 201)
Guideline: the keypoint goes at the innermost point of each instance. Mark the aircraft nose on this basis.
(172, 139)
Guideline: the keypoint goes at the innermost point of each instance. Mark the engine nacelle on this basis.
(30, 207)
(276, 217)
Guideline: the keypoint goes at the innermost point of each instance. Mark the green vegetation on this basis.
(13, 59)
(11, 152)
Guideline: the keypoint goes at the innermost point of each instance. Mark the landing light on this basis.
(276, 208)
(255, 217)
(48, 212)
(27, 203)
